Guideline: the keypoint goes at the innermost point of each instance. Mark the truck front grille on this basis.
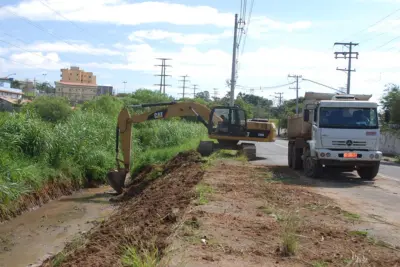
(340, 143)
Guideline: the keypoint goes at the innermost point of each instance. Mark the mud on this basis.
(50, 191)
(147, 216)
(252, 210)
(37, 234)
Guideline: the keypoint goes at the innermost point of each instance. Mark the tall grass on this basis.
(34, 151)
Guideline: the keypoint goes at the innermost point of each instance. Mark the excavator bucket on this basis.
(117, 178)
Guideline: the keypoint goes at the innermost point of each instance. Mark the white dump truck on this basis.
(335, 131)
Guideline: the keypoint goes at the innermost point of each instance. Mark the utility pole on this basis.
(297, 90)
(184, 85)
(163, 75)
(279, 109)
(124, 82)
(194, 90)
(233, 74)
(346, 55)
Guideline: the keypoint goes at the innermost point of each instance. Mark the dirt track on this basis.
(252, 211)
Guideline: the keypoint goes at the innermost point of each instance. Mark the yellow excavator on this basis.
(227, 125)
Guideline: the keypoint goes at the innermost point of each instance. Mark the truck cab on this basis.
(338, 132)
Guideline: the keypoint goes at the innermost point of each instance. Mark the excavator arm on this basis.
(124, 131)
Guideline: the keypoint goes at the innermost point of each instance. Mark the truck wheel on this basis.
(369, 173)
(290, 155)
(205, 148)
(297, 163)
(312, 167)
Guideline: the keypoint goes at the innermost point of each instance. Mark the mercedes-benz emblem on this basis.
(349, 142)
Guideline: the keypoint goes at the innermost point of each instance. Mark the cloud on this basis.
(178, 38)
(38, 60)
(74, 48)
(261, 25)
(120, 12)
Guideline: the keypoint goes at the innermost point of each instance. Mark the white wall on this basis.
(390, 143)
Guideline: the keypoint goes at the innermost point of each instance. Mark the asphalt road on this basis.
(376, 201)
(276, 154)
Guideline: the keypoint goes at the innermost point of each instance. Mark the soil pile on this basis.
(145, 220)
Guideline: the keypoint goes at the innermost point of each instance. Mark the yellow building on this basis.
(76, 92)
(76, 75)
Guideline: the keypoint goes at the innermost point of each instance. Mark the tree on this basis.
(45, 87)
(391, 102)
(16, 84)
(205, 95)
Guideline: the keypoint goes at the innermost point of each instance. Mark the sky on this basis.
(120, 40)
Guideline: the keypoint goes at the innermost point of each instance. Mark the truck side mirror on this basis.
(306, 116)
(387, 116)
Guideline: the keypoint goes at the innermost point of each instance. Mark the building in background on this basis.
(104, 90)
(6, 92)
(76, 92)
(76, 75)
(77, 85)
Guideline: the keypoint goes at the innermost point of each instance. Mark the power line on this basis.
(248, 25)
(265, 87)
(16, 62)
(376, 23)
(387, 43)
(330, 87)
(28, 51)
(71, 22)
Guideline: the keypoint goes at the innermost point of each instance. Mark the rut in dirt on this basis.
(145, 220)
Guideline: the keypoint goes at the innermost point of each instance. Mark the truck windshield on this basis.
(348, 118)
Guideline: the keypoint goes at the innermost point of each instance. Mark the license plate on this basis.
(350, 155)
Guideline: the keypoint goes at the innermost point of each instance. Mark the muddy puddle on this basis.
(35, 235)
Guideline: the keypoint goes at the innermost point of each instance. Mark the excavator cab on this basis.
(233, 122)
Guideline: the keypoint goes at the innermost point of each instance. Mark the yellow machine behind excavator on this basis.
(227, 125)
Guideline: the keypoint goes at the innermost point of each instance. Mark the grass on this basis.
(397, 159)
(203, 191)
(133, 257)
(80, 147)
(359, 233)
(351, 216)
(72, 246)
(289, 237)
(319, 264)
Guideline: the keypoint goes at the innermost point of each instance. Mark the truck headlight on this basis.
(371, 156)
(376, 156)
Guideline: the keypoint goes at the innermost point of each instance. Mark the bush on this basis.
(52, 109)
(104, 104)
